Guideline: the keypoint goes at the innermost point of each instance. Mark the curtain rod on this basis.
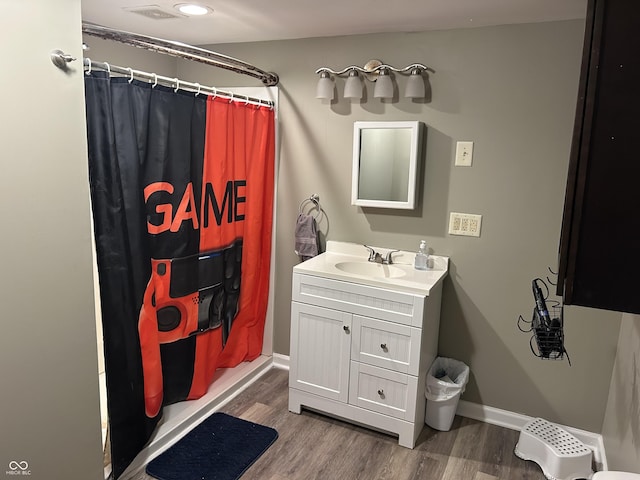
(175, 83)
(182, 50)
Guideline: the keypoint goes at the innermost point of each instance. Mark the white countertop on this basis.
(400, 275)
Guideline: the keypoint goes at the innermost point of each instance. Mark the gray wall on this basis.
(621, 428)
(50, 415)
(511, 90)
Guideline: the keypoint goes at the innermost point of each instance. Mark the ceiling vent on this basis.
(154, 12)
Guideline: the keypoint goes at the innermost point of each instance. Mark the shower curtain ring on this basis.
(88, 72)
(215, 92)
(155, 80)
(108, 69)
(231, 98)
(175, 90)
(130, 74)
(198, 92)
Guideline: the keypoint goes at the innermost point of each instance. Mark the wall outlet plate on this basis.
(466, 224)
(464, 154)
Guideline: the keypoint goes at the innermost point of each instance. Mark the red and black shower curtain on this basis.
(182, 196)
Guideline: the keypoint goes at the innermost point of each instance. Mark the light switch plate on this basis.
(467, 224)
(464, 154)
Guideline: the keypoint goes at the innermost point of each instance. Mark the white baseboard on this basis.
(280, 361)
(516, 421)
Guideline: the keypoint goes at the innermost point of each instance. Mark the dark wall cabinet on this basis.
(600, 242)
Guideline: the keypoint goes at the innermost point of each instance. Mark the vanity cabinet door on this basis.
(320, 349)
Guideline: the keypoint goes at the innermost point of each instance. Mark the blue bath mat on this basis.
(220, 448)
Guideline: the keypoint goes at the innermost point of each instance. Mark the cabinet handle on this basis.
(346, 328)
(381, 393)
(383, 346)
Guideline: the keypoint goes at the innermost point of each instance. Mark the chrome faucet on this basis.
(387, 258)
(373, 255)
(376, 257)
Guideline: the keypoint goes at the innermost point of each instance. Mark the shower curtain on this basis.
(182, 196)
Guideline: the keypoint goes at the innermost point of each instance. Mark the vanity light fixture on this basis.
(384, 85)
(375, 71)
(325, 87)
(415, 85)
(353, 85)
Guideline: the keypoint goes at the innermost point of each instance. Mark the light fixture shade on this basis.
(325, 87)
(384, 85)
(353, 85)
(415, 86)
(193, 9)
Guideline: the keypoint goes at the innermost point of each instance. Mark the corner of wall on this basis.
(621, 425)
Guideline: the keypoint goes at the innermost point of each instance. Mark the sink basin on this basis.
(370, 269)
(349, 262)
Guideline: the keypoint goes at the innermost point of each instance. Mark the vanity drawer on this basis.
(385, 344)
(383, 391)
(359, 299)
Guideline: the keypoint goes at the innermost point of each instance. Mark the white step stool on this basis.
(561, 456)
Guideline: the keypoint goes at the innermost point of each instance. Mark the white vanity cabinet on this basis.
(361, 352)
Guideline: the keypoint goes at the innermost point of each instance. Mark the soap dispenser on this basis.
(421, 257)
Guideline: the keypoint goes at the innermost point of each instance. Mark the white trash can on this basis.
(446, 381)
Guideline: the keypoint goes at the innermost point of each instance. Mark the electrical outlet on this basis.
(467, 224)
(464, 154)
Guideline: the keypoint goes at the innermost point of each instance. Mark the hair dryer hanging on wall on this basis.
(547, 323)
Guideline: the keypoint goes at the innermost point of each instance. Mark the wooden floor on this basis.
(313, 446)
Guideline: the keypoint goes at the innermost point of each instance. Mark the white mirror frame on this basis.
(416, 134)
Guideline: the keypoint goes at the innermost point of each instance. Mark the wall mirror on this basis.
(385, 164)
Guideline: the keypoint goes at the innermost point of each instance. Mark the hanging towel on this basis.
(306, 237)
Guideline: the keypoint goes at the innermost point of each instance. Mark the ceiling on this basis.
(235, 21)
